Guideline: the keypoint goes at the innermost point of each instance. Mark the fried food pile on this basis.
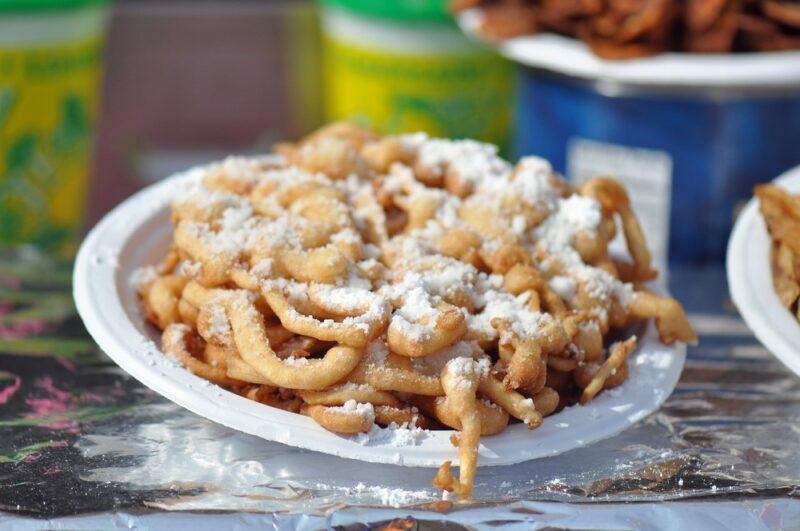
(781, 211)
(366, 280)
(625, 29)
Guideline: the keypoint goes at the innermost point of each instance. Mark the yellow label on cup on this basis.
(48, 95)
(453, 95)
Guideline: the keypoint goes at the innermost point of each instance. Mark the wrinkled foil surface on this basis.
(80, 438)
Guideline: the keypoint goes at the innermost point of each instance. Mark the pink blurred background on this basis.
(189, 81)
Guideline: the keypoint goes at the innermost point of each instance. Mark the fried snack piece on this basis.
(344, 332)
(502, 22)
(781, 211)
(712, 25)
(787, 13)
(526, 363)
(397, 379)
(460, 379)
(180, 341)
(333, 150)
(614, 199)
(349, 418)
(447, 327)
(493, 419)
(271, 396)
(671, 321)
(627, 29)
(251, 340)
(610, 374)
(546, 401)
(162, 299)
(239, 369)
(337, 396)
(408, 416)
(517, 405)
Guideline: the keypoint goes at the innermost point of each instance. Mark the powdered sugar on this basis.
(602, 285)
(262, 268)
(564, 286)
(177, 332)
(376, 352)
(351, 407)
(143, 276)
(384, 495)
(348, 300)
(531, 183)
(434, 363)
(472, 161)
(240, 170)
(511, 310)
(295, 362)
(393, 435)
(416, 315)
(556, 237)
(218, 321)
(465, 371)
(350, 386)
(188, 268)
(528, 402)
(417, 305)
(358, 308)
(197, 197)
(573, 214)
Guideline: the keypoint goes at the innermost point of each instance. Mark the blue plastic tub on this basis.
(699, 151)
(688, 134)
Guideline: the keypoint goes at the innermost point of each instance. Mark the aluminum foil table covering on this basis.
(84, 446)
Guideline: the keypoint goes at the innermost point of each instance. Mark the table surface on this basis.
(82, 445)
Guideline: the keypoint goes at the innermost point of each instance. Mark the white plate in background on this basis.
(750, 281)
(573, 57)
(137, 233)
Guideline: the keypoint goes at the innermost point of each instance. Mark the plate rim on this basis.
(749, 275)
(95, 278)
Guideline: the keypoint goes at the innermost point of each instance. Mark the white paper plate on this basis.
(750, 281)
(572, 57)
(137, 233)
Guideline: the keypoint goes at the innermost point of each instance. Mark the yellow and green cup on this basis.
(403, 65)
(50, 62)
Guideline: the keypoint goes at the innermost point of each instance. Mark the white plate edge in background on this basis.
(570, 56)
(750, 281)
(654, 369)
